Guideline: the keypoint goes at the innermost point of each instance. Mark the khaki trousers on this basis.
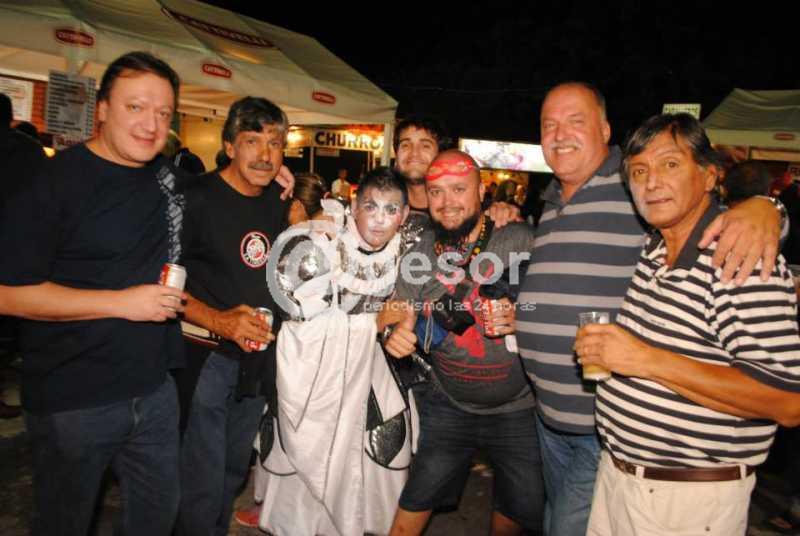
(628, 505)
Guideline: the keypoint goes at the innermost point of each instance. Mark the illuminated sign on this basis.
(505, 155)
(692, 109)
(343, 139)
(335, 139)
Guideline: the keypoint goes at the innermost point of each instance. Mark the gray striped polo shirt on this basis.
(685, 309)
(582, 260)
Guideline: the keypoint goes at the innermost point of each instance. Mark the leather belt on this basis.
(683, 474)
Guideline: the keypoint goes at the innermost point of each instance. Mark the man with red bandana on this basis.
(417, 141)
(479, 396)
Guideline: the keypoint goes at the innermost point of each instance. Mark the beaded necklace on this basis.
(472, 247)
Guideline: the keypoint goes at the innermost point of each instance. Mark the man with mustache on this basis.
(233, 215)
(587, 245)
(703, 370)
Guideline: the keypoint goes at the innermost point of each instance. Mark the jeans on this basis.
(71, 450)
(215, 454)
(570, 466)
(449, 437)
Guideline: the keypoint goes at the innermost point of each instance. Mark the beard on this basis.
(415, 181)
(455, 237)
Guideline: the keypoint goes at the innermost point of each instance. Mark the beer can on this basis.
(173, 275)
(488, 307)
(266, 315)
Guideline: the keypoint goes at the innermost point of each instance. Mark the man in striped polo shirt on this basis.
(586, 248)
(702, 368)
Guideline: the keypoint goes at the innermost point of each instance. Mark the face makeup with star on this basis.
(378, 215)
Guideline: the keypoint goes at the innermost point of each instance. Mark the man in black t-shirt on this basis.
(232, 218)
(86, 240)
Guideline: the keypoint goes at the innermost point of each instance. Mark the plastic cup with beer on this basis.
(594, 372)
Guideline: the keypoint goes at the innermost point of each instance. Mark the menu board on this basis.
(70, 105)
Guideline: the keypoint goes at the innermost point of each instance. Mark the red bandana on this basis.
(458, 164)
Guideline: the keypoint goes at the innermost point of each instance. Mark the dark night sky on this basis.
(484, 68)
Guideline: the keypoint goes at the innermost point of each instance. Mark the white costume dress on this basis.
(341, 450)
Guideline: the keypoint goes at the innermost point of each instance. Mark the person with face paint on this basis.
(343, 451)
(479, 396)
(233, 216)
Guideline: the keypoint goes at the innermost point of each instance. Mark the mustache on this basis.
(261, 166)
(564, 145)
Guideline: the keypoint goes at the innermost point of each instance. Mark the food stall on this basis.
(759, 125)
(220, 56)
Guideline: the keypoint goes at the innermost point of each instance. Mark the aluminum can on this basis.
(173, 275)
(266, 315)
(488, 307)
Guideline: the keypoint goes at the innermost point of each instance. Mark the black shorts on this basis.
(449, 437)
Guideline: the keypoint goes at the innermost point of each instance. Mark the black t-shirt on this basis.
(88, 223)
(227, 239)
(790, 198)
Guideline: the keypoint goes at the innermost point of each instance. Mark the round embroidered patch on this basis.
(255, 249)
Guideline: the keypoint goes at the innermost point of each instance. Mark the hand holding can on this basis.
(488, 307)
(498, 317)
(594, 372)
(266, 315)
(172, 275)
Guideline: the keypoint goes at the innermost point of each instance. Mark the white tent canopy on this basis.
(763, 119)
(219, 55)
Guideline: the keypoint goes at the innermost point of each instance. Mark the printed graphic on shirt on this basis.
(254, 249)
(176, 204)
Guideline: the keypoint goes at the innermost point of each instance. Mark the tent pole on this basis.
(388, 138)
